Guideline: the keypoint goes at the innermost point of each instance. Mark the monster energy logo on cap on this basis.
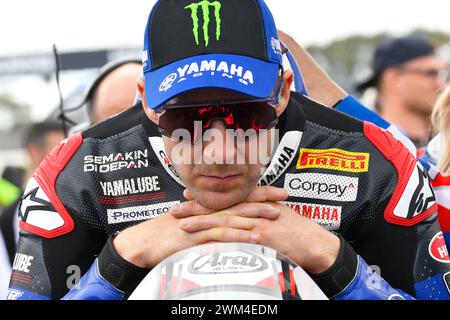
(205, 5)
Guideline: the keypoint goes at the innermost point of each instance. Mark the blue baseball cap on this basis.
(225, 44)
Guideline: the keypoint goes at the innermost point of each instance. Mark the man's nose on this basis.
(219, 143)
(440, 83)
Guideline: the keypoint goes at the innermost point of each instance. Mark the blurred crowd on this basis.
(408, 87)
(113, 91)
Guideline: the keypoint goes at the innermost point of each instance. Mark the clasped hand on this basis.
(261, 219)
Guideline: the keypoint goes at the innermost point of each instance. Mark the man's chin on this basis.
(219, 200)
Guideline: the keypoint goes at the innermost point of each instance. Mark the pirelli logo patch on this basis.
(333, 159)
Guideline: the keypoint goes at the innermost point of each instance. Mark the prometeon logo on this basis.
(204, 6)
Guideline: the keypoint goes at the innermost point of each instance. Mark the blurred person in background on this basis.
(440, 146)
(323, 89)
(41, 139)
(114, 90)
(408, 77)
(111, 92)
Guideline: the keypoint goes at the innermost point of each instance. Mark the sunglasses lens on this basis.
(173, 119)
(244, 116)
(256, 116)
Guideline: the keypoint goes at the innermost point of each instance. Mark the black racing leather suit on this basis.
(349, 176)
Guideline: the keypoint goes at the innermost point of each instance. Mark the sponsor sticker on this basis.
(22, 262)
(37, 210)
(203, 8)
(131, 190)
(322, 186)
(438, 249)
(333, 159)
(211, 67)
(282, 158)
(158, 147)
(276, 46)
(14, 294)
(328, 217)
(417, 198)
(167, 83)
(131, 186)
(229, 262)
(116, 161)
(138, 213)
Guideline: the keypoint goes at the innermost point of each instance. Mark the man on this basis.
(408, 77)
(42, 138)
(330, 171)
(114, 90)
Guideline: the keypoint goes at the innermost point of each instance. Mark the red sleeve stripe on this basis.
(46, 175)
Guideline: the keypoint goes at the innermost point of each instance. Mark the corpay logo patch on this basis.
(322, 186)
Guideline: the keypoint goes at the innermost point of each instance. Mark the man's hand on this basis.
(150, 242)
(305, 242)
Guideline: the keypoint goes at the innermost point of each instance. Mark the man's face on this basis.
(217, 185)
(37, 152)
(223, 170)
(419, 83)
(52, 139)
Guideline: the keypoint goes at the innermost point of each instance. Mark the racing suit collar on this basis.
(150, 128)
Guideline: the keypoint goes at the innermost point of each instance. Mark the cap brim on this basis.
(246, 75)
(370, 82)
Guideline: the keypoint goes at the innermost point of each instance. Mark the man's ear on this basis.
(151, 114)
(390, 78)
(285, 94)
(140, 86)
(34, 153)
